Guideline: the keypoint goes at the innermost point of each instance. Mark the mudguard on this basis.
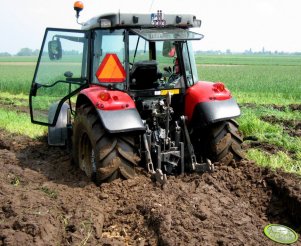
(115, 121)
(58, 135)
(205, 105)
(116, 109)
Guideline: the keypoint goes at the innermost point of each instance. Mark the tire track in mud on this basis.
(46, 201)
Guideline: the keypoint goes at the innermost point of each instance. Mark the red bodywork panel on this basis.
(107, 99)
(203, 92)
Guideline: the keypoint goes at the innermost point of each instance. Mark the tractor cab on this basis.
(140, 54)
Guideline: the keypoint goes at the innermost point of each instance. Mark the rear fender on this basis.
(58, 134)
(205, 105)
(116, 109)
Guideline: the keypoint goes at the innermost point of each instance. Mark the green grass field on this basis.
(256, 59)
(255, 79)
(262, 80)
(15, 77)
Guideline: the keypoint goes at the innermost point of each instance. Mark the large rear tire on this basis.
(104, 157)
(221, 142)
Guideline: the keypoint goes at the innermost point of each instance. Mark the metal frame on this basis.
(88, 61)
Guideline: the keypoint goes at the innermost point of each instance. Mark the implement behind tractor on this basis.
(124, 91)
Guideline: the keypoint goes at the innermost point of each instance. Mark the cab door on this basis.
(60, 73)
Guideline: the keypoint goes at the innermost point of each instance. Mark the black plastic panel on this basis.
(206, 113)
(121, 120)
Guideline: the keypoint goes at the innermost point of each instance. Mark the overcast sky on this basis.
(227, 24)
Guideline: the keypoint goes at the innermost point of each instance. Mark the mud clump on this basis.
(46, 201)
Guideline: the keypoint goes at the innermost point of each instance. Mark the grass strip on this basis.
(251, 125)
(20, 123)
(278, 160)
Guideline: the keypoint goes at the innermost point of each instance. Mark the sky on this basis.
(237, 25)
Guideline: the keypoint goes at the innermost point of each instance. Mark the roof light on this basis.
(178, 19)
(197, 23)
(104, 23)
(78, 7)
(135, 19)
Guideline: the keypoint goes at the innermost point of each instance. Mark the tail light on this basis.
(104, 96)
(219, 87)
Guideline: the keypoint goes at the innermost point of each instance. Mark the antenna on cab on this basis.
(78, 7)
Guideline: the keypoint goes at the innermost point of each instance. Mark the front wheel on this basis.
(220, 142)
(104, 157)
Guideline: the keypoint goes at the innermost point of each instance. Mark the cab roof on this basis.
(122, 20)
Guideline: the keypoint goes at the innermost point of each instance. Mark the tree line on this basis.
(30, 52)
(23, 52)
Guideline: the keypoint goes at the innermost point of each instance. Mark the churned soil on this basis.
(44, 200)
(18, 105)
(292, 127)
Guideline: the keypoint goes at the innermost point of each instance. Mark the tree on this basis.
(36, 52)
(25, 52)
(4, 54)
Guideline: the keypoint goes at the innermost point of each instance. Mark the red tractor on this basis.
(124, 91)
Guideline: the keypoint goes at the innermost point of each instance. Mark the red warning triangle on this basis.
(111, 70)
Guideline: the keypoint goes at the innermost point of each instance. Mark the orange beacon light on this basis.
(78, 6)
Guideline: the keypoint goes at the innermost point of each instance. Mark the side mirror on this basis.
(169, 50)
(68, 74)
(55, 49)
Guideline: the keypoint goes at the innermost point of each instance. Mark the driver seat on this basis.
(144, 75)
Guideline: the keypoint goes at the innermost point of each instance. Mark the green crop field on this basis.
(256, 59)
(264, 85)
(16, 77)
(257, 79)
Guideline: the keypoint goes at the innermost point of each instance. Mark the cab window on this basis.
(150, 67)
(108, 42)
(189, 64)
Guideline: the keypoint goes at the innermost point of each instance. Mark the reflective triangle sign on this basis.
(111, 70)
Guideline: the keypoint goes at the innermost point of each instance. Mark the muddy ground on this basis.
(46, 201)
(291, 127)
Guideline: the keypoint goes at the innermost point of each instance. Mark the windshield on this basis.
(157, 64)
